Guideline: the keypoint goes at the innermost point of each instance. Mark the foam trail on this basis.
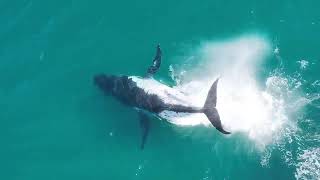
(243, 105)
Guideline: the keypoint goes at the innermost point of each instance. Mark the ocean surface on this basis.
(55, 124)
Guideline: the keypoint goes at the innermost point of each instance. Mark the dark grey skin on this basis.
(127, 91)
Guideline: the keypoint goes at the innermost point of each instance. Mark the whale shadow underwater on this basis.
(147, 96)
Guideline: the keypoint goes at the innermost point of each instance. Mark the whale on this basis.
(149, 96)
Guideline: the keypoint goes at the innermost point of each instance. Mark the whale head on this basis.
(105, 82)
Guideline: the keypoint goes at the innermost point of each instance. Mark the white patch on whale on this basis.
(185, 119)
(167, 94)
(173, 96)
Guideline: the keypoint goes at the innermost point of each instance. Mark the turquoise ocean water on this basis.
(54, 124)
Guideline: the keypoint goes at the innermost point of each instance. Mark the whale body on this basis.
(150, 96)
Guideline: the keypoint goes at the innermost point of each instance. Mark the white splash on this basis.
(258, 110)
(309, 164)
(303, 64)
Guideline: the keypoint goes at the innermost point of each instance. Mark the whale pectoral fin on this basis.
(145, 127)
(156, 63)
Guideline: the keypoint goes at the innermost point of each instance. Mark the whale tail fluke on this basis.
(210, 110)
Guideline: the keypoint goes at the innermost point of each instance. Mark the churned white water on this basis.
(264, 109)
(259, 110)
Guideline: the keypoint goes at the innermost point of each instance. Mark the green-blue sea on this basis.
(55, 124)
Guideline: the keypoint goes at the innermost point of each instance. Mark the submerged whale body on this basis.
(147, 94)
